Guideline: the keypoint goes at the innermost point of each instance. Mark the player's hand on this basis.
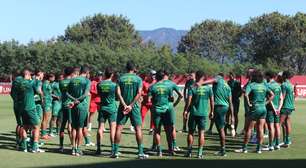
(211, 116)
(250, 105)
(71, 105)
(277, 112)
(185, 114)
(127, 110)
(76, 102)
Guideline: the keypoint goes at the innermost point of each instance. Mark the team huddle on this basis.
(47, 105)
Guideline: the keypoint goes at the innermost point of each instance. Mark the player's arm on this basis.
(136, 98)
(210, 81)
(231, 107)
(270, 98)
(187, 105)
(281, 101)
(86, 92)
(119, 95)
(246, 94)
(212, 104)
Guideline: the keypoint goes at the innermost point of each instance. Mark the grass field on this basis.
(11, 158)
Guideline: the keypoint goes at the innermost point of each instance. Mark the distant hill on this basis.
(163, 36)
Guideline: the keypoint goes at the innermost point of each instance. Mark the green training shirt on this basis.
(276, 89)
(79, 88)
(15, 90)
(27, 90)
(63, 86)
(288, 92)
(129, 85)
(200, 98)
(160, 93)
(257, 93)
(107, 91)
(38, 86)
(47, 90)
(55, 89)
(221, 91)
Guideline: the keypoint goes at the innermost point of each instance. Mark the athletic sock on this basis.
(116, 148)
(24, 144)
(87, 140)
(174, 143)
(222, 150)
(159, 148)
(190, 148)
(35, 146)
(113, 148)
(61, 141)
(244, 146)
(258, 147)
(140, 149)
(276, 141)
(200, 150)
(43, 132)
(98, 145)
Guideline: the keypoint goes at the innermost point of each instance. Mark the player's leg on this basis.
(288, 130)
(271, 126)
(219, 118)
(112, 126)
(201, 122)
(99, 137)
(86, 132)
(135, 118)
(45, 121)
(34, 123)
(157, 130)
(143, 110)
(121, 120)
(191, 128)
(209, 131)
(185, 123)
(236, 105)
(92, 111)
(260, 133)
(247, 135)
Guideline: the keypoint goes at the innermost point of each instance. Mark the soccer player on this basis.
(30, 117)
(94, 99)
(273, 118)
(145, 105)
(158, 95)
(256, 94)
(18, 102)
(56, 106)
(129, 91)
(66, 111)
(190, 81)
(108, 108)
(222, 104)
(199, 96)
(174, 88)
(288, 107)
(47, 105)
(236, 90)
(38, 97)
(78, 92)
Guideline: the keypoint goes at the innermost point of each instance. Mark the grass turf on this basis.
(12, 158)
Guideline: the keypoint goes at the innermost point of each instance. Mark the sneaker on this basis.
(265, 148)
(98, 152)
(188, 154)
(285, 145)
(24, 150)
(221, 153)
(241, 150)
(277, 147)
(37, 150)
(41, 143)
(177, 149)
(271, 148)
(115, 155)
(132, 129)
(259, 151)
(90, 144)
(73, 151)
(79, 152)
(143, 156)
(200, 156)
(61, 149)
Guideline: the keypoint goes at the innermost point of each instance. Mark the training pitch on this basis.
(52, 158)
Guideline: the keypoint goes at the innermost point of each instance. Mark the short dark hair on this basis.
(221, 74)
(68, 71)
(287, 75)
(270, 74)
(160, 75)
(37, 71)
(108, 72)
(130, 66)
(84, 69)
(166, 72)
(257, 76)
(25, 70)
(199, 74)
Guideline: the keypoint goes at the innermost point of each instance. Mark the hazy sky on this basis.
(24, 20)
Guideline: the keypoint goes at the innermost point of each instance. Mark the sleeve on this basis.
(190, 92)
(248, 89)
(284, 89)
(13, 91)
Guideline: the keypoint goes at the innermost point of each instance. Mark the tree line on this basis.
(270, 42)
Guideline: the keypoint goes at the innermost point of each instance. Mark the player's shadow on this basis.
(7, 141)
(178, 163)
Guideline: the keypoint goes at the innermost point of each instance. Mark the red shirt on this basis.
(94, 96)
(145, 89)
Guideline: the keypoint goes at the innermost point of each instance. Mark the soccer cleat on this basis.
(132, 129)
(115, 155)
(61, 149)
(177, 149)
(277, 147)
(221, 153)
(200, 156)
(90, 144)
(98, 152)
(73, 151)
(188, 154)
(241, 150)
(143, 156)
(37, 150)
